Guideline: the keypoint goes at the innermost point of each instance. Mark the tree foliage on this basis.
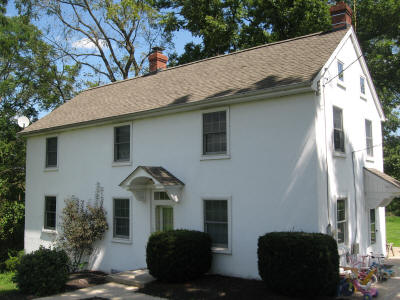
(109, 39)
(82, 226)
(228, 25)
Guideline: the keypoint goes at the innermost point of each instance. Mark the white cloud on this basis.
(85, 43)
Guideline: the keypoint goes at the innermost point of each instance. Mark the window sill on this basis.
(221, 250)
(215, 156)
(49, 231)
(370, 159)
(341, 84)
(51, 169)
(121, 241)
(121, 164)
(363, 97)
(339, 154)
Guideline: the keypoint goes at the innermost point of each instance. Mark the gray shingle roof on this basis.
(272, 65)
(160, 174)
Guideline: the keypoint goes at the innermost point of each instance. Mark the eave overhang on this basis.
(380, 188)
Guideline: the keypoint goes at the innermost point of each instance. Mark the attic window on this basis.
(362, 85)
(340, 67)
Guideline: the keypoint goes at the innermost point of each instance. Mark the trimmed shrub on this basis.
(178, 255)
(42, 272)
(299, 263)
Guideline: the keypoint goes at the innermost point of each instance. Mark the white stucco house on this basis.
(284, 136)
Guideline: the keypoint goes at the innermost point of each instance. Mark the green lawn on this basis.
(8, 290)
(393, 230)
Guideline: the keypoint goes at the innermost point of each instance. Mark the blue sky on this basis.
(180, 39)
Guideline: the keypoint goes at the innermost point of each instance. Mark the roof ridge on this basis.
(217, 56)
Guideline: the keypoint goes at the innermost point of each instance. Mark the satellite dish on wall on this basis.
(23, 122)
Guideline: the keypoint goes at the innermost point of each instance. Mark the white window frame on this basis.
(346, 220)
(125, 162)
(44, 229)
(212, 156)
(367, 149)
(51, 168)
(370, 224)
(338, 153)
(220, 250)
(118, 239)
(155, 203)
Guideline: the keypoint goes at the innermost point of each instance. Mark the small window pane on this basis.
(50, 212)
(214, 133)
(372, 226)
(340, 71)
(51, 152)
(341, 220)
(369, 139)
(161, 196)
(362, 85)
(121, 218)
(122, 143)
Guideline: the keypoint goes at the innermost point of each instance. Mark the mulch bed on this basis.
(212, 287)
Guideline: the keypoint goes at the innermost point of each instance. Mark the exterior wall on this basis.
(270, 177)
(342, 183)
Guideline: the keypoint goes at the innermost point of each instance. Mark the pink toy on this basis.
(366, 290)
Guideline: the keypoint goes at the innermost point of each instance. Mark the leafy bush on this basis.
(178, 255)
(81, 227)
(11, 228)
(13, 261)
(42, 272)
(299, 263)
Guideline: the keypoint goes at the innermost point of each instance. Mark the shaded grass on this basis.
(393, 230)
(8, 289)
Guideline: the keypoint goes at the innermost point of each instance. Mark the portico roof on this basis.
(149, 177)
(380, 188)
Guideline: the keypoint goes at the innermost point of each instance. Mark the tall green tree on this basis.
(228, 25)
(30, 81)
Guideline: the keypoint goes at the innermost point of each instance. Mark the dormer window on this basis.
(340, 67)
(362, 85)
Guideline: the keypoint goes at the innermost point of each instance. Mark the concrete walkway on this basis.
(111, 290)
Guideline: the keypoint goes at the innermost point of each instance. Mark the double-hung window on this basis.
(372, 226)
(50, 208)
(121, 218)
(368, 138)
(215, 133)
(338, 132)
(216, 222)
(122, 143)
(341, 221)
(51, 152)
(340, 67)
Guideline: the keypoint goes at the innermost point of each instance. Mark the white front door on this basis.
(162, 212)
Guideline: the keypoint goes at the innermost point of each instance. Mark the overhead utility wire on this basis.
(358, 58)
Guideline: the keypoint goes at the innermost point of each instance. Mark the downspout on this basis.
(355, 196)
(329, 226)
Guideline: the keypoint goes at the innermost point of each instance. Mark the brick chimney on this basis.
(157, 60)
(341, 15)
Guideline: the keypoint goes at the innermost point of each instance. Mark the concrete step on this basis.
(138, 278)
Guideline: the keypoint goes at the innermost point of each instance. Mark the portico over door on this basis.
(145, 178)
